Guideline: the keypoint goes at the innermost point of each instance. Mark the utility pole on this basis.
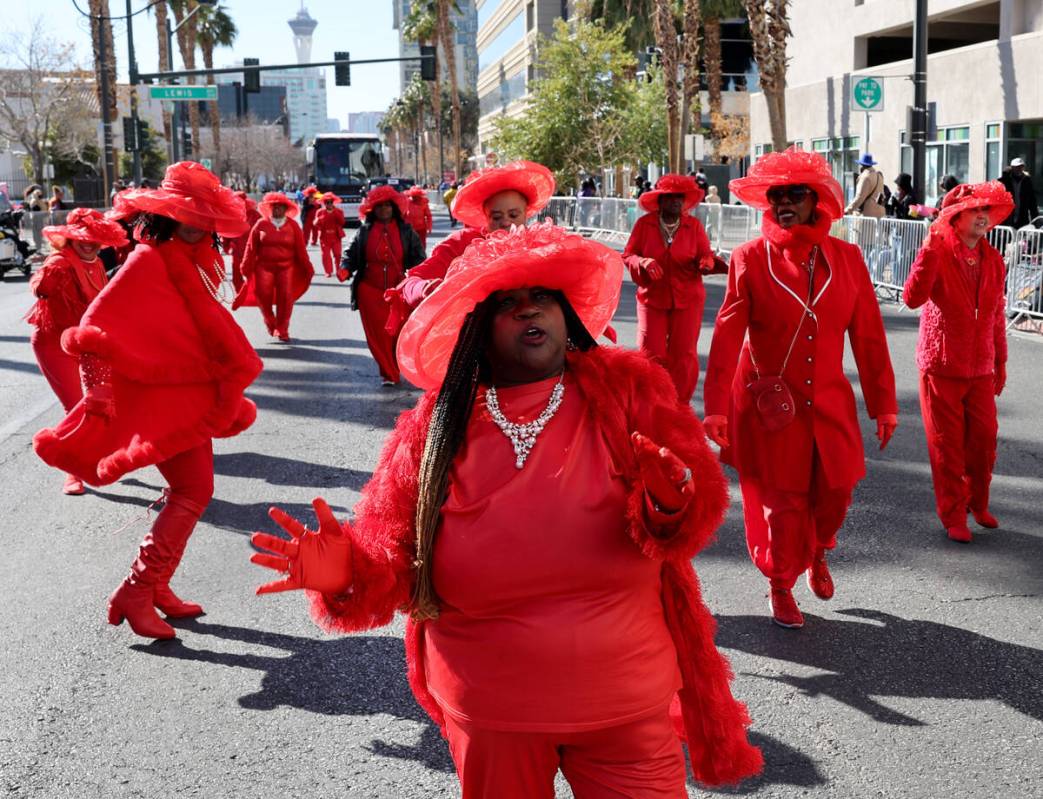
(132, 74)
(109, 167)
(175, 136)
(918, 131)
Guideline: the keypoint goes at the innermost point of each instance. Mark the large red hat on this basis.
(86, 224)
(273, 198)
(790, 168)
(310, 190)
(588, 273)
(533, 181)
(673, 184)
(191, 194)
(329, 197)
(966, 196)
(251, 205)
(383, 194)
(416, 193)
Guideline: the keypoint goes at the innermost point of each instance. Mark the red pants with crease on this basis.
(331, 252)
(61, 369)
(640, 759)
(959, 417)
(374, 311)
(785, 528)
(671, 337)
(274, 287)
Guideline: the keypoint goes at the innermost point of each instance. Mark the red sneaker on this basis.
(820, 581)
(784, 610)
(985, 519)
(73, 486)
(959, 532)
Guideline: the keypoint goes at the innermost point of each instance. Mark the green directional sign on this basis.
(867, 94)
(182, 92)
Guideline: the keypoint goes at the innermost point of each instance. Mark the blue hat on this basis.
(866, 160)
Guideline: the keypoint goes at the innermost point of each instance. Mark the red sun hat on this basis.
(274, 198)
(533, 181)
(330, 197)
(250, 205)
(308, 191)
(191, 194)
(673, 184)
(383, 194)
(87, 225)
(967, 196)
(416, 193)
(790, 168)
(589, 274)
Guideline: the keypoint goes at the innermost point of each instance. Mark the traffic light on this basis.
(342, 71)
(252, 77)
(144, 135)
(427, 62)
(186, 144)
(130, 136)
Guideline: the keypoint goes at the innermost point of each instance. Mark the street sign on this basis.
(182, 92)
(867, 94)
(207, 163)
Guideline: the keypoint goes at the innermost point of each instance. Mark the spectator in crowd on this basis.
(447, 197)
(57, 201)
(868, 191)
(639, 186)
(701, 180)
(1019, 184)
(904, 197)
(945, 185)
(712, 196)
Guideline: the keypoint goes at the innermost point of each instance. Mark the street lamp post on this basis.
(918, 132)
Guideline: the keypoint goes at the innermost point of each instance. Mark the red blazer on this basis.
(624, 392)
(963, 328)
(767, 306)
(330, 224)
(412, 287)
(682, 283)
(419, 217)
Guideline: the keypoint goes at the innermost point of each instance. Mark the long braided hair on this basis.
(468, 366)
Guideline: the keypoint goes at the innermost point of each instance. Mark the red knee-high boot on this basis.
(184, 514)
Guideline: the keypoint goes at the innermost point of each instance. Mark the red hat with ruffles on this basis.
(416, 193)
(589, 274)
(88, 225)
(329, 197)
(533, 181)
(790, 168)
(250, 205)
(310, 190)
(273, 198)
(673, 184)
(191, 194)
(383, 194)
(967, 196)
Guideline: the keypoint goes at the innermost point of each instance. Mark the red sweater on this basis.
(681, 284)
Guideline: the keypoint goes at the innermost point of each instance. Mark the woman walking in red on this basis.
(237, 245)
(667, 255)
(777, 400)
(276, 265)
(164, 367)
(536, 514)
(64, 286)
(419, 214)
(309, 209)
(958, 277)
(329, 221)
(377, 260)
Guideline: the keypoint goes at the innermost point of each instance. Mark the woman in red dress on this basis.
(237, 245)
(309, 208)
(329, 221)
(164, 367)
(777, 400)
(667, 255)
(958, 278)
(419, 217)
(378, 257)
(64, 286)
(276, 264)
(535, 515)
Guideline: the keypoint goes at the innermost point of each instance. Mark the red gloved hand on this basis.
(999, 378)
(430, 286)
(652, 268)
(706, 264)
(343, 274)
(318, 560)
(716, 427)
(885, 427)
(668, 481)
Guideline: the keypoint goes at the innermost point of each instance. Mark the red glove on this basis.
(885, 427)
(430, 286)
(343, 274)
(706, 264)
(318, 560)
(98, 398)
(668, 481)
(999, 378)
(716, 427)
(651, 268)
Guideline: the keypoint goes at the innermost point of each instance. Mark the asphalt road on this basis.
(922, 678)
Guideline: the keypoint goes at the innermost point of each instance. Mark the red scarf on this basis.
(796, 242)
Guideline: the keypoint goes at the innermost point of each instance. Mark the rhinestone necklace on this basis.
(218, 290)
(523, 436)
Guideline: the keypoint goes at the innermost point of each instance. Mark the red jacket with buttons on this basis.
(962, 327)
(330, 223)
(682, 283)
(767, 305)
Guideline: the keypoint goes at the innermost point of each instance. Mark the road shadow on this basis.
(877, 654)
(783, 765)
(355, 675)
(279, 471)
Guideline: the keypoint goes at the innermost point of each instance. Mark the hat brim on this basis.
(222, 218)
(589, 274)
(531, 180)
(754, 191)
(998, 212)
(649, 200)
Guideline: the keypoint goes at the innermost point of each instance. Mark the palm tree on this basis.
(164, 64)
(691, 109)
(635, 14)
(769, 29)
(421, 26)
(666, 41)
(216, 29)
(187, 35)
(713, 12)
(101, 26)
(445, 36)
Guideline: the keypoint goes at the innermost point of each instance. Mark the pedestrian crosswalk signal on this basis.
(252, 77)
(130, 135)
(427, 62)
(342, 70)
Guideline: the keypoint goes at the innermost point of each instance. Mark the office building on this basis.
(465, 22)
(365, 122)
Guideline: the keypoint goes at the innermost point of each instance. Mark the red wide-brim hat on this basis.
(533, 181)
(191, 194)
(88, 225)
(589, 274)
(673, 184)
(416, 193)
(330, 197)
(968, 196)
(274, 198)
(310, 190)
(250, 205)
(790, 168)
(383, 194)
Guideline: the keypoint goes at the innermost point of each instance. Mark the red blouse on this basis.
(384, 256)
(681, 284)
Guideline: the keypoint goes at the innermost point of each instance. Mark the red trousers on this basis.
(639, 760)
(784, 528)
(959, 417)
(671, 337)
(237, 271)
(61, 369)
(310, 233)
(331, 251)
(374, 312)
(274, 287)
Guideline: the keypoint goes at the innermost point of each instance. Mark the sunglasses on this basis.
(795, 194)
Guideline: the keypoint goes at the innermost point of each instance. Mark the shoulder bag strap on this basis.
(800, 322)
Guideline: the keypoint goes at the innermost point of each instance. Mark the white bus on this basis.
(343, 163)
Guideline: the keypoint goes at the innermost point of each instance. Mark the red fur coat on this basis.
(624, 392)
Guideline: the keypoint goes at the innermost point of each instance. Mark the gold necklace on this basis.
(669, 230)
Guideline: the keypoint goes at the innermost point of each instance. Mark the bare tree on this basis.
(769, 29)
(252, 154)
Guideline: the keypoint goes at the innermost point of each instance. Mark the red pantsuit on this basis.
(670, 308)
(330, 224)
(278, 272)
(237, 247)
(308, 212)
(384, 270)
(419, 217)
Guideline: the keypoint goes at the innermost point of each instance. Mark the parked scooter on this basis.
(14, 253)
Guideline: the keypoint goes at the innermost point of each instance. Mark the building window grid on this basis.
(993, 150)
(842, 154)
(947, 154)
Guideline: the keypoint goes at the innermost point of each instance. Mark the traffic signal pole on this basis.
(132, 74)
(918, 134)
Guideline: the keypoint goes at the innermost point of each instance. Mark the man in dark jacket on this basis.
(1019, 184)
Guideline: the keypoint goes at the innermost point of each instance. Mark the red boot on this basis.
(172, 606)
(820, 581)
(133, 601)
(985, 519)
(73, 486)
(960, 533)
(173, 527)
(784, 610)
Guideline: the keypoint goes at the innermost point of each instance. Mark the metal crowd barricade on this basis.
(1025, 276)
(890, 254)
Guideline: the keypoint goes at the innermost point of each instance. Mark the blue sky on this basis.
(361, 27)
